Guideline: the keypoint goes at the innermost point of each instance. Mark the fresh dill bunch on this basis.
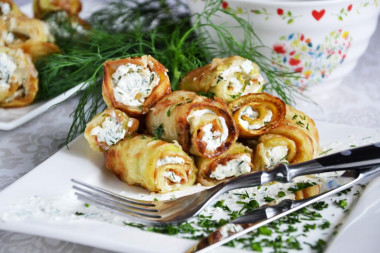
(133, 28)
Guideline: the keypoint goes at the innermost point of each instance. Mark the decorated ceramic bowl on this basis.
(322, 40)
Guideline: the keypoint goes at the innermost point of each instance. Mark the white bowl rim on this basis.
(294, 3)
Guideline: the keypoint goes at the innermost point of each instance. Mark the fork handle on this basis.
(356, 158)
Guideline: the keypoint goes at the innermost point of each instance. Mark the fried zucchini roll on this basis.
(31, 35)
(293, 141)
(108, 128)
(202, 126)
(299, 119)
(226, 78)
(8, 7)
(134, 85)
(235, 162)
(256, 114)
(43, 7)
(156, 165)
(18, 78)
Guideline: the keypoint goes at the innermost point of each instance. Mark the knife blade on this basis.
(269, 213)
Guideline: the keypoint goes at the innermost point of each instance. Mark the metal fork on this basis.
(177, 210)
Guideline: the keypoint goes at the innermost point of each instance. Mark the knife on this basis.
(268, 213)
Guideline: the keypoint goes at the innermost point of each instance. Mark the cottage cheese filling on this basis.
(170, 160)
(234, 167)
(172, 176)
(5, 8)
(110, 132)
(7, 68)
(213, 139)
(275, 155)
(133, 84)
(240, 78)
(253, 114)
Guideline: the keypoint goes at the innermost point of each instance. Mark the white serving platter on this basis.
(43, 202)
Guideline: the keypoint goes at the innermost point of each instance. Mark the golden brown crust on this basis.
(308, 192)
(299, 147)
(43, 7)
(212, 78)
(135, 160)
(25, 28)
(171, 114)
(23, 83)
(262, 103)
(30, 35)
(303, 122)
(38, 49)
(128, 124)
(207, 165)
(159, 91)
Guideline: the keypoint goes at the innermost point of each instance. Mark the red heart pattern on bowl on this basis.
(296, 53)
(318, 14)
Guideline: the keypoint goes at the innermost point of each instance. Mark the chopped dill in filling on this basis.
(111, 131)
(7, 68)
(253, 114)
(133, 83)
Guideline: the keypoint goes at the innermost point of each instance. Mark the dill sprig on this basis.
(158, 28)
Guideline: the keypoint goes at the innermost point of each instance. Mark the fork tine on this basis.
(113, 195)
(113, 200)
(121, 209)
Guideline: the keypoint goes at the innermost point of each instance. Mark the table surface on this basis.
(355, 102)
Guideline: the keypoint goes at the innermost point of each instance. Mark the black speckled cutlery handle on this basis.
(368, 155)
(356, 158)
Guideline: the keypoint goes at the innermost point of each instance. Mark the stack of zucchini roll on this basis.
(166, 140)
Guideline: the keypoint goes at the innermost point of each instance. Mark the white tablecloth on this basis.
(355, 102)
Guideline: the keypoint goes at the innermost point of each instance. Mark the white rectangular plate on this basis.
(11, 118)
(50, 182)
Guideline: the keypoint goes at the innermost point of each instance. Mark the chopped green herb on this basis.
(168, 111)
(244, 195)
(264, 230)
(300, 123)
(300, 186)
(220, 78)
(326, 224)
(344, 192)
(236, 96)
(281, 194)
(319, 246)
(159, 131)
(248, 206)
(87, 205)
(207, 94)
(307, 227)
(325, 152)
(234, 214)
(341, 203)
(221, 204)
(268, 199)
(79, 213)
(255, 246)
(320, 205)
